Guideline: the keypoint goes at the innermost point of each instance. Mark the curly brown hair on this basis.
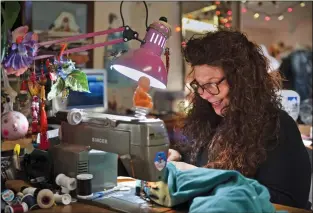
(237, 141)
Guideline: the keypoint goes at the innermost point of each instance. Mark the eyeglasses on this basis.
(211, 88)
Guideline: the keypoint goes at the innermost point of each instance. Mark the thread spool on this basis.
(84, 186)
(7, 195)
(67, 182)
(17, 208)
(65, 199)
(44, 197)
(29, 200)
(65, 190)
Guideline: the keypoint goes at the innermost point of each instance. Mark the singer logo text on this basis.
(100, 140)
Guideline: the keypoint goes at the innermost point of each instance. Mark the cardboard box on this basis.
(305, 130)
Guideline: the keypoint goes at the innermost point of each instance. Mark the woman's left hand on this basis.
(159, 191)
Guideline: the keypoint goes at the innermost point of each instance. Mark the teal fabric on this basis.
(212, 190)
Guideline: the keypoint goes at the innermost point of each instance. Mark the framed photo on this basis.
(54, 20)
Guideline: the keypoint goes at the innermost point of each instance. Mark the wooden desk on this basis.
(83, 208)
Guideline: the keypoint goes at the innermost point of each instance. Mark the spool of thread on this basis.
(29, 200)
(65, 199)
(65, 190)
(44, 197)
(17, 208)
(7, 195)
(67, 182)
(84, 186)
(18, 198)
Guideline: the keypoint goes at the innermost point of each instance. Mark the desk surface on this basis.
(83, 208)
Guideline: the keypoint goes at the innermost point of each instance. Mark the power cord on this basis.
(121, 13)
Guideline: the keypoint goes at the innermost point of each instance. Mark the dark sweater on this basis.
(286, 171)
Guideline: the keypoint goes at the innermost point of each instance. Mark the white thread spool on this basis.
(75, 116)
(29, 190)
(67, 182)
(65, 199)
(65, 190)
(45, 199)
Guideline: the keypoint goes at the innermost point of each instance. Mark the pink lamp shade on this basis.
(146, 61)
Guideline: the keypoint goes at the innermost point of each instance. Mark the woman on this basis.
(236, 122)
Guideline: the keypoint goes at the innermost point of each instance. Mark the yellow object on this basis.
(17, 149)
(43, 93)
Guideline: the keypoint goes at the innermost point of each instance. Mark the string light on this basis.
(278, 15)
(256, 15)
(244, 10)
(217, 3)
(281, 17)
(218, 12)
(177, 29)
(227, 25)
(229, 12)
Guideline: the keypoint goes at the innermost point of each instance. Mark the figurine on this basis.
(141, 96)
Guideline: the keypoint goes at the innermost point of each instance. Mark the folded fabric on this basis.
(211, 190)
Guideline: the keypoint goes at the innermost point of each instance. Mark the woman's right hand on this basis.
(173, 155)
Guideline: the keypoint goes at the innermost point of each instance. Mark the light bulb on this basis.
(256, 15)
(280, 17)
(289, 9)
(267, 18)
(244, 10)
(302, 4)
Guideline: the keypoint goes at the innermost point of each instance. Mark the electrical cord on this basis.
(121, 13)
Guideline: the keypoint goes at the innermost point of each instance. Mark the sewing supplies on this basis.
(65, 199)
(84, 186)
(29, 200)
(7, 195)
(16, 208)
(44, 197)
(66, 182)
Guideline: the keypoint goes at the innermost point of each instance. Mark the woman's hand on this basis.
(173, 155)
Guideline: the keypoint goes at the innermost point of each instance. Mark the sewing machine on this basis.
(141, 144)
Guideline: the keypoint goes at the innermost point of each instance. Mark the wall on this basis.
(302, 34)
(260, 36)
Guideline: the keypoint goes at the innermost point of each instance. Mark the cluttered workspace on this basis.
(63, 149)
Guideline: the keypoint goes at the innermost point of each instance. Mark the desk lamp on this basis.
(145, 61)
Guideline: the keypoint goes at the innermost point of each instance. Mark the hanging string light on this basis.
(267, 16)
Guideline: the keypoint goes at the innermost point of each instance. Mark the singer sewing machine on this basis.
(141, 144)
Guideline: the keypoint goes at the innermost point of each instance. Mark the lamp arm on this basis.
(128, 34)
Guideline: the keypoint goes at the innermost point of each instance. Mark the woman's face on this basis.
(205, 74)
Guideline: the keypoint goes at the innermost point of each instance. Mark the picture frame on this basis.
(39, 19)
